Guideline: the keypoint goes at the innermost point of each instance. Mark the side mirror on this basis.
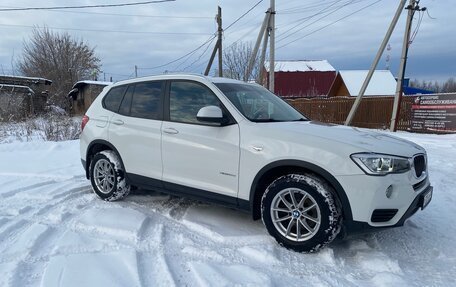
(210, 114)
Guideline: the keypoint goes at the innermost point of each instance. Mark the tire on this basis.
(107, 176)
(306, 222)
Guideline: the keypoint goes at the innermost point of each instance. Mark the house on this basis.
(15, 102)
(21, 97)
(83, 94)
(307, 78)
(348, 84)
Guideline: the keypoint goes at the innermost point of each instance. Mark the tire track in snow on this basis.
(152, 267)
(26, 188)
(10, 233)
(64, 197)
(33, 212)
(169, 262)
(40, 175)
(155, 256)
(31, 266)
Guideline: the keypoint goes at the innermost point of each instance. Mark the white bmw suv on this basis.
(239, 145)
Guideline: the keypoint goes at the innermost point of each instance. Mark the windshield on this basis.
(258, 104)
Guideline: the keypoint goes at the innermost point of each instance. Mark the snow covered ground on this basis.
(55, 232)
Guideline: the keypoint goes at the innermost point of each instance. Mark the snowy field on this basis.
(55, 232)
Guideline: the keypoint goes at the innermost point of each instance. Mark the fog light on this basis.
(389, 191)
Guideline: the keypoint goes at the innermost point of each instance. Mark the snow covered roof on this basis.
(382, 83)
(302, 66)
(75, 90)
(88, 82)
(35, 80)
(12, 88)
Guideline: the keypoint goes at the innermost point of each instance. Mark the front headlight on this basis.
(381, 164)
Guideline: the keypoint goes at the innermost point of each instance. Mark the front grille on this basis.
(383, 215)
(420, 165)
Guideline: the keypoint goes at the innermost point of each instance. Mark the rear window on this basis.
(126, 102)
(113, 99)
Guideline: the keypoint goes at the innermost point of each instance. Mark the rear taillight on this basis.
(85, 120)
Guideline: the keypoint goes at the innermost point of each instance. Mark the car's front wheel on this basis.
(300, 212)
(108, 177)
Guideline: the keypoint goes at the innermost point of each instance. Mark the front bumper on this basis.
(352, 226)
(382, 201)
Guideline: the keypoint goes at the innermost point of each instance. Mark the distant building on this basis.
(349, 83)
(411, 91)
(84, 93)
(307, 78)
(21, 97)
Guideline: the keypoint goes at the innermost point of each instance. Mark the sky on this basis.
(347, 33)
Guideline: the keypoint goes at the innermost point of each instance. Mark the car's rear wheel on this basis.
(107, 176)
(300, 212)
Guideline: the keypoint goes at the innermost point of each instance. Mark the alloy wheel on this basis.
(295, 214)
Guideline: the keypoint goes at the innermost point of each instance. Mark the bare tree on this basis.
(60, 58)
(236, 60)
(449, 86)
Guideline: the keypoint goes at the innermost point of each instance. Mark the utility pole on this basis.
(220, 36)
(263, 33)
(272, 46)
(352, 113)
(263, 56)
(267, 28)
(136, 71)
(217, 47)
(412, 7)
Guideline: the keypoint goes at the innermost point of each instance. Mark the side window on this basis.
(114, 97)
(187, 98)
(146, 101)
(126, 102)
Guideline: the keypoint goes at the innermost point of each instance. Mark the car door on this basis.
(197, 155)
(135, 131)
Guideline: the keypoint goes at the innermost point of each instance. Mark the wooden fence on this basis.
(373, 112)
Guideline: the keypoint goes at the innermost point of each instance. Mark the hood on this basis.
(361, 140)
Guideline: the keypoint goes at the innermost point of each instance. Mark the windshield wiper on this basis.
(266, 121)
(278, 121)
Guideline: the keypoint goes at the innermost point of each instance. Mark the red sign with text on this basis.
(434, 113)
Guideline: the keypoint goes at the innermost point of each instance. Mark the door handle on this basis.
(118, 122)
(257, 148)
(171, 131)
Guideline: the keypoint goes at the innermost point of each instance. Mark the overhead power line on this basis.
(110, 31)
(136, 15)
(417, 28)
(249, 32)
(200, 56)
(206, 42)
(329, 10)
(180, 58)
(85, 6)
(305, 19)
(243, 15)
(125, 15)
(300, 9)
(330, 24)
